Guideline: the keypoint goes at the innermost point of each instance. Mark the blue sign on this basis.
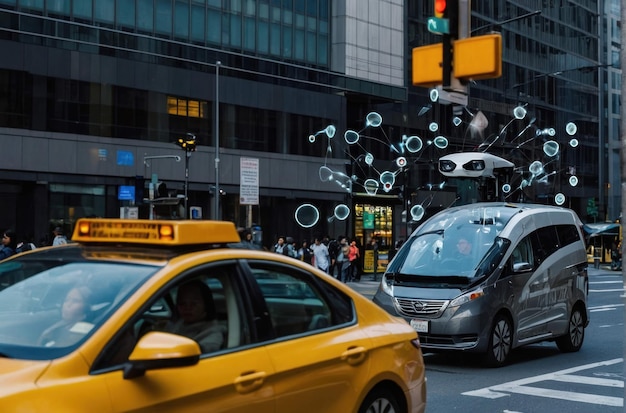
(125, 158)
(126, 193)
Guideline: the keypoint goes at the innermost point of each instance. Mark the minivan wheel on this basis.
(500, 341)
(572, 341)
(380, 401)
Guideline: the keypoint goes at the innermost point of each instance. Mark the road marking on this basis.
(521, 386)
(607, 291)
(606, 282)
(602, 307)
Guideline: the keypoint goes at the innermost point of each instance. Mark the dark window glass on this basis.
(181, 20)
(298, 303)
(145, 15)
(568, 234)
(104, 11)
(300, 6)
(275, 39)
(82, 9)
(235, 30)
(25, 4)
(249, 33)
(58, 7)
(197, 23)
(125, 11)
(164, 17)
(547, 242)
(214, 26)
(263, 37)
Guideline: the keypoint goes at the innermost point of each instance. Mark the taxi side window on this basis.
(297, 304)
(204, 305)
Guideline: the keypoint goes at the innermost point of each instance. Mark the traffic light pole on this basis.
(447, 60)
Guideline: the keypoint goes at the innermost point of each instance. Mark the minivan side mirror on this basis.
(521, 267)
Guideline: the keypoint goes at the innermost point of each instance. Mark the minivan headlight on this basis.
(386, 285)
(466, 298)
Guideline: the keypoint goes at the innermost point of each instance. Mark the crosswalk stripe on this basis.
(522, 386)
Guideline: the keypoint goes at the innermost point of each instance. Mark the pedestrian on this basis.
(59, 238)
(342, 263)
(353, 256)
(280, 247)
(290, 245)
(24, 246)
(320, 254)
(333, 250)
(9, 244)
(304, 252)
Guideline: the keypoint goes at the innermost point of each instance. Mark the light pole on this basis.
(188, 144)
(216, 207)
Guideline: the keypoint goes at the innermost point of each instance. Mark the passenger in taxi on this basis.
(197, 316)
(73, 324)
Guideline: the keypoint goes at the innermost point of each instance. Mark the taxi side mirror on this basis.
(157, 350)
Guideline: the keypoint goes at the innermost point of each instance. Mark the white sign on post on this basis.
(249, 181)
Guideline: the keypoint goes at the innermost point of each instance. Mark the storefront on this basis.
(374, 220)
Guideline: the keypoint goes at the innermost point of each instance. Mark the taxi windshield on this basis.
(49, 308)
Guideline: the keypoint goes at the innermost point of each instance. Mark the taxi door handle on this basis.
(249, 382)
(354, 355)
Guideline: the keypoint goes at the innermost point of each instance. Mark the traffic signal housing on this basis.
(188, 143)
(440, 8)
(448, 9)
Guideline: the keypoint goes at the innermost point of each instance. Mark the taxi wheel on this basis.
(572, 341)
(500, 341)
(381, 400)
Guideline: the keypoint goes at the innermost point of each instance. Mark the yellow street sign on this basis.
(427, 65)
(478, 57)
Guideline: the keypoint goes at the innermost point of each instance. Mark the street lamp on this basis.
(216, 208)
(188, 144)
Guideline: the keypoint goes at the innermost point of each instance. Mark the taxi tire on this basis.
(381, 400)
(500, 341)
(572, 341)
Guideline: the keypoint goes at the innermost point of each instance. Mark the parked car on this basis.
(138, 315)
(490, 277)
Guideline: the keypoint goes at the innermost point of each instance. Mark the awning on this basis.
(595, 230)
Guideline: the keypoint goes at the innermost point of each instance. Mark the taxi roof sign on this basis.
(154, 232)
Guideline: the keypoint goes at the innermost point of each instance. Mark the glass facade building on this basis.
(94, 93)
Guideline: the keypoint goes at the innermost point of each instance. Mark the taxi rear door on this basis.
(321, 356)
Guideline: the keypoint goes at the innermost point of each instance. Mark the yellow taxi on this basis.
(139, 315)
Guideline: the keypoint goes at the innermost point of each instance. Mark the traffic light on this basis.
(188, 143)
(448, 9)
(440, 8)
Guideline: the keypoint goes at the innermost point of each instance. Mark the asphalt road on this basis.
(540, 378)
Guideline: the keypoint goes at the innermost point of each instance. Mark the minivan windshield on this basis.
(460, 246)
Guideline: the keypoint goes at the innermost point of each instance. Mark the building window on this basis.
(185, 107)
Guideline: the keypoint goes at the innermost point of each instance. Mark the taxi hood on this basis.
(21, 373)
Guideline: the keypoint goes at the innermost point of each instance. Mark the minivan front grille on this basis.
(422, 308)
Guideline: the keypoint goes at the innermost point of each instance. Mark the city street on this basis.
(540, 377)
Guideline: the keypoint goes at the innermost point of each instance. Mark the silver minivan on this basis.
(490, 277)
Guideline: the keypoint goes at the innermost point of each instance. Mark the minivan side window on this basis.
(547, 242)
(523, 254)
(568, 234)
